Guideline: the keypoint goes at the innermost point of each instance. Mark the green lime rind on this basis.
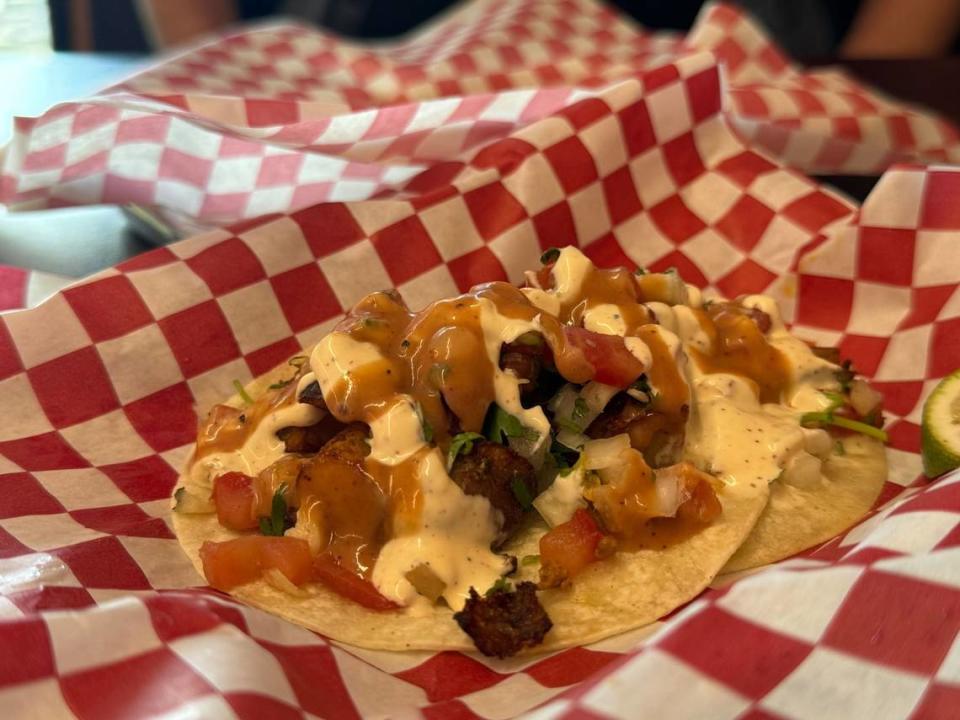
(940, 428)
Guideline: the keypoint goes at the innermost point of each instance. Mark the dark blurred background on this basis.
(805, 28)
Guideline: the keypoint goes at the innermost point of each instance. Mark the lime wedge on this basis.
(940, 428)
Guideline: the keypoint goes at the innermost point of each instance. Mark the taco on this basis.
(510, 469)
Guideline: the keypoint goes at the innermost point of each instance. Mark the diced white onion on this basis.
(802, 471)
(599, 454)
(863, 398)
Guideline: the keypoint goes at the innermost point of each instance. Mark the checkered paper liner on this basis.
(105, 617)
(278, 119)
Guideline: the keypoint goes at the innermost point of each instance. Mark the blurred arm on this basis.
(171, 22)
(894, 28)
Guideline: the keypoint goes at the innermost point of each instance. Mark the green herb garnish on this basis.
(424, 424)
(530, 560)
(568, 425)
(521, 493)
(502, 425)
(244, 395)
(461, 443)
(839, 449)
(280, 384)
(580, 409)
(298, 361)
(640, 271)
(501, 585)
(274, 525)
(549, 256)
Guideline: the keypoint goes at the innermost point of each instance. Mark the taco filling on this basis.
(496, 460)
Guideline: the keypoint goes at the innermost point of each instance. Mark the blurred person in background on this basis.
(805, 28)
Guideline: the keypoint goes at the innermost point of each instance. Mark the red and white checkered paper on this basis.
(103, 616)
(278, 119)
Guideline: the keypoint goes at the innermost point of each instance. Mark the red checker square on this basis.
(815, 210)
(147, 260)
(621, 195)
(176, 165)
(435, 177)
(637, 128)
(328, 227)
(658, 77)
(50, 159)
(731, 53)
(108, 308)
(749, 103)
(505, 155)
(555, 226)
(865, 351)
(755, 713)
(224, 205)
(242, 226)
(747, 278)
(607, 252)
(149, 128)
(683, 159)
(899, 127)
(114, 520)
(11, 547)
(570, 666)
(143, 480)
(73, 388)
(252, 706)
(13, 287)
(51, 597)
(770, 659)
(279, 170)
(457, 710)
(846, 127)
(585, 112)
(939, 702)
(406, 249)
(9, 357)
(28, 655)
(433, 197)
(745, 222)
(262, 113)
(182, 614)
(228, 265)
(703, 93)
(926, 304)
(200, 338)
(493, 209)
(93, 116)
(676, 220)
(904, 436)
(944, 348)
(103, 563)
(315, 678)
(267, 358)
(390, 121)
(897, 621)
(43, 452)
(23, 495)
(164, 419)
(746, 167)
(807, 102)
(687, 269)
(572, 164)
(824, 302)
(122, 190)
(900, 397)
(950, 540)
(886, 255)
(305, 296)
(91, 165)
(476, 267)
(449, 675)
(937, 497)
(130, 689)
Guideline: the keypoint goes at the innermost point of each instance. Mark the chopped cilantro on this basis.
(244, 395)
(461, 443)
(521, 493)
(280, 384)
(298, 361)
(641, 271)
(839, 449)
(818, 419)
(424, 424)
(550, 256)
(501, 585)
(567, 425)
(530, 560)
(274, 525)
(501, 425)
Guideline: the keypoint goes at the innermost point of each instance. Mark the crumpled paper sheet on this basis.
(280, 118)
(104, 617)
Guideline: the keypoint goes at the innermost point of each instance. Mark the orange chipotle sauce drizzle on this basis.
(739, 347)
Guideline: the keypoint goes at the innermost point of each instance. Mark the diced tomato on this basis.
(348, 585)
(568, 548)
(613, 364)
(235, 498)
(236, 562)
